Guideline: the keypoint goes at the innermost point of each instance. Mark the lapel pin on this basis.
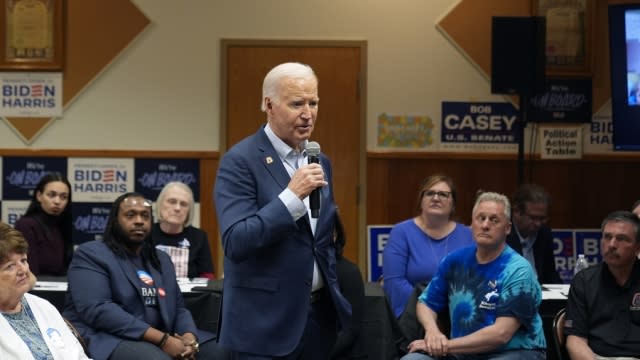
(269, 159)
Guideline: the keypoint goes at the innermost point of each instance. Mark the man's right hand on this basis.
(174, 347)
(417, 345)
(436, 343)
(306, 179)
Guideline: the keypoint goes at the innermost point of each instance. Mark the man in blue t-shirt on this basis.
(491, 293)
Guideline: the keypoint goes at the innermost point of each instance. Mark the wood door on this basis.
(340, 124)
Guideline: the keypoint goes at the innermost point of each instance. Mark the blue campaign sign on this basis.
(377, 239)
(153, 174)
(569, 243)
(89, 221)
(563, 251)
(588, 243)
(20, 175)
(473, 122)
(564, 100)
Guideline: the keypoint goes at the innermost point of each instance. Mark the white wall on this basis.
(163, 91)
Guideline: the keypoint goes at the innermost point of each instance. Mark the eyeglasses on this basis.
(537, 218)
(441, 194)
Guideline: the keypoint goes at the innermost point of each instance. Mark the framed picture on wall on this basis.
(33, 35)
(569, 32)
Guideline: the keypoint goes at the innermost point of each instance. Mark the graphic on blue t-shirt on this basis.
(477, 294)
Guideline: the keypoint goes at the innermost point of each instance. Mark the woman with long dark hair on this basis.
(47, 224)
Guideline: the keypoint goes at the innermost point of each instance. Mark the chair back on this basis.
(559, 339)
(409, 325)
(408, 321)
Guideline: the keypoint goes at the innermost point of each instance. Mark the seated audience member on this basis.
(47, 224)
(123, 295)
(352, 287)
(30, 327)
(187, 246)
(603, 309)
(417, 245)
(491, 292)
(636, 208)
(530, 236)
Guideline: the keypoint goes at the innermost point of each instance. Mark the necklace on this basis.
(438, 257)
(430, 240)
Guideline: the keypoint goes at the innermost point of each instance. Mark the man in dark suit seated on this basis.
(124, 298)
(531, 237)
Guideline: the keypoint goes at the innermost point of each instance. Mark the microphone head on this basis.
(313, 148)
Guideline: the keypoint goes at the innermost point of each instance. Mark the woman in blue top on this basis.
(417, 245)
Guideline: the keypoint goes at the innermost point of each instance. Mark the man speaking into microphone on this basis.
(276, 212)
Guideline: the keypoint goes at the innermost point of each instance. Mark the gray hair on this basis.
(623, 216)
(495, 197)
(163, 194)
(530, 193)
(271, 83)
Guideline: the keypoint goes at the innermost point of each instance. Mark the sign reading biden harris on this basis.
(95, 184)
(100, 179)
(473, 126)
(37, 94)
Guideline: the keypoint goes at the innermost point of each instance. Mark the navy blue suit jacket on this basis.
(542, 253)
(105, 304)
(268, 263)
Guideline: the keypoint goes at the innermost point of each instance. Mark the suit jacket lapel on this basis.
(515, 241)
(160, 295)
(272, 163)
(270, 159)
(130, 271)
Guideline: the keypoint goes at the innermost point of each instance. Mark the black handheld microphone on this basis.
(313, 152)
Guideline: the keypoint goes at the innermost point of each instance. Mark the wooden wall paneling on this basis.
(556, 177)
(583, 191)
(378, 194)
(405, 174)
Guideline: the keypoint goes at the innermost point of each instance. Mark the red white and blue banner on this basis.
(95, 184)
(568, 243)
(30, 94)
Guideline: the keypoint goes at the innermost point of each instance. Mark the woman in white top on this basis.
(31, 327)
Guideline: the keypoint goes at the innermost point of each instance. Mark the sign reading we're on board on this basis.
(568, 244)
